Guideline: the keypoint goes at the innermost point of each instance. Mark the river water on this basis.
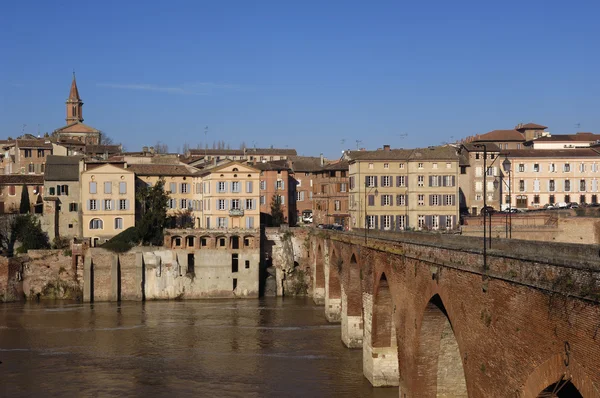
(212, 348)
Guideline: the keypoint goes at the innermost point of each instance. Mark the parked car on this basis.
(573, 205)
(549, 206)
(307, 217)
(561, 205)
(487, 210)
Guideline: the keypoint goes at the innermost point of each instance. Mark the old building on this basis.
(276, 184)
(473, 174)
(396, 189)
(229, 194)
(201, 156)
(304, 169)
(25, 155)
(107, 201)
(11, 189)
(510, 139)
(62, 195)
(540, 177)
(181, 183)
(330, 194)
(565, 141)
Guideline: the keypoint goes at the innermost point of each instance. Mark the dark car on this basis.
(488, 210)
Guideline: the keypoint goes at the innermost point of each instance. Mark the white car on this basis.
(307, 218)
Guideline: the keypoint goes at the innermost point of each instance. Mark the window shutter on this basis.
(283, 200)
(442, 222)
(376, 222)
(440, 181)
(430, 181)
(103, 205)
(397, 181)
(382, 199)
(453, 199)
(428, 221)
(406, 224)
(375, 181)
(453, 221)
(406, 200)
(391, 197)
(66, 190)
(430, 200)
(126, 204)
(366, 181)
(58, 190)
(453, 181)
(406, 181)
(89, 204)
(397, 223)
(439, 200)
(282, 184)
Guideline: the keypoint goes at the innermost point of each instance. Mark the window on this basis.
(401, 181)
(173, 187)
(249, 204)
(183, 203)
(420, 200)
(401, 166)
(387, 222)
(93, 187)
(263, 200)
(337, 205)
(552, 168)
(448, 200)
(582, 185)
(518, 146)
(40, 153)
(594, 198)
(343, 187)
(421, 221)
(551, 186)
(249, 186)
(123, 204)
(478, 197)
(185, 187)
(370, 222)
(551, 199)
(448, 222)
(448, 165)
(172, 204)
(370, 166)
(107, 187)
(386, 165)
(536, 199)
(567, 198)
(490, 171)
(536, 168)
(477, 155)
(420, 165)
(263, 185)
(118, 223)
(434, 200)
(235, 204)
(236, 187)
(107, 204)
(31, 168)
(567, 168)
(582, 199)
(434, 166)
(582, 167)
(300, 196)
(386, 200)
(567, 185)
(435, 222)
(400, 200)
(92, 204)
(249, 225)
(62, 189)
(522, 185)
(221, 223)
(95, 223)
(279, 184)
(221, 204)
(434, 181)
(370, 181)
(27, 153)
(122, 187)
(521, 167)
(51, 191)
(448, 181)
(386, 181)
(420, 181)
(401, 222)
(221, 186)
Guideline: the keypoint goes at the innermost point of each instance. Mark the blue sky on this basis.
(310, 75)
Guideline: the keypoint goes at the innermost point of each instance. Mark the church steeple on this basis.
(74, 104)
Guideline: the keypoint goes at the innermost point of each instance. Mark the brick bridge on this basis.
(437, 319)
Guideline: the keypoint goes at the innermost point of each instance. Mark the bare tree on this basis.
(106, 140)
(160, 147)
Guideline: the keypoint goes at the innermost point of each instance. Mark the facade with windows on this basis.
(473, 176)
(11, 189)
(107, 201)
(25, 156)
(330, 194)
(276, 184)
(398, 189)
(304, 169)
(62, 208)
(551, 176)
(230, 197)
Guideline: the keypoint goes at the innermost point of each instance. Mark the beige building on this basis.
(107, 201)
(473, 177)
(541, 177)
(230, 197)
(399, 189)
(11, 190)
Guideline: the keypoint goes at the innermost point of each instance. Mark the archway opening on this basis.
(319, 272)
(563, 388)
(381, 334)
(439, 364)
(353, 289)
(335, 266)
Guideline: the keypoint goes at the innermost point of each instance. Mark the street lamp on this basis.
(506, 165)
(376, 193)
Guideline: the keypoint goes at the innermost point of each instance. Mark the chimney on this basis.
(151, 149)
(322, 160)
(145, 149)
(386, 148)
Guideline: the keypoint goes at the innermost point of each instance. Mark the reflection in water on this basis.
(225, 348)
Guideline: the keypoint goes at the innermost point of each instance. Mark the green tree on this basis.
(26, 228)
(25, 204)
(152, 205)
(276, 211)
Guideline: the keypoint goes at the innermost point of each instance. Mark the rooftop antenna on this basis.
(577, 125)
(23, 129)
(206, 145)
(358, 142)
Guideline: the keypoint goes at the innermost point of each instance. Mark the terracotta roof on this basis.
(18, 179)
(76, 127)
(445, 152)
(501, 135)
(392, 154)
(530, 126)
(490, 147)
(111, 149)
(579, 137)
(271, 151)
(62, 168)
(38, 143)
(242, 152)
(74, 93)
(339, 165)
(161, 170)
(553, 153)
(305, 163)
(274, 165)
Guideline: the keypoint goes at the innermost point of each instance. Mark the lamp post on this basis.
(506, 165)
(366, 207)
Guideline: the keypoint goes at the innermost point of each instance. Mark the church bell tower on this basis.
(74, 104)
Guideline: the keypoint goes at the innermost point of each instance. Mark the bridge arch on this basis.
(333, 289)
(380, 348)
(318, 276)
(352, 325)
(553, 379)
(440, 371)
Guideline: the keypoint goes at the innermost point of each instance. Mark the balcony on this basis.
(236, 212)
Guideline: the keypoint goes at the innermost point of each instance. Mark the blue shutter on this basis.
(126, 204)
(282, 184)
(88, 204)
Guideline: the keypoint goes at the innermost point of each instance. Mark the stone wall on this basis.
(50, 274)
